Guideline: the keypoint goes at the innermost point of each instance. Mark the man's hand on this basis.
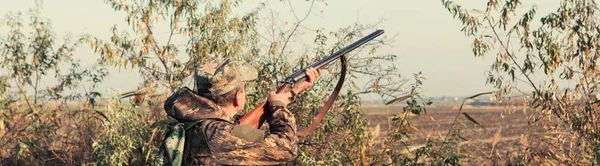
(312, 75)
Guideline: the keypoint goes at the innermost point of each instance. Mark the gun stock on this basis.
(256, 117)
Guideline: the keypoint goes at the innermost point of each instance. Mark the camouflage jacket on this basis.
(212, 143)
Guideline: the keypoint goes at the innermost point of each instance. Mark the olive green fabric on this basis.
(248, 133)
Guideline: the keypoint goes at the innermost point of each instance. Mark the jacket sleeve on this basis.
(278, 147)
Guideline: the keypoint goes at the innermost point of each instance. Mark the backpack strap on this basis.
(189, 125)
(169, 158)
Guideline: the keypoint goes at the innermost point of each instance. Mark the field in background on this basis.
(439, 119)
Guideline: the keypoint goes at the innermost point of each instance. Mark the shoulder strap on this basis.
(189, 125)
(315, 123)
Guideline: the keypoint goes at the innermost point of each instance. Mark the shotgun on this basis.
(256, 117)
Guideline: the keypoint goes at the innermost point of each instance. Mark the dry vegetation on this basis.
(504, 131)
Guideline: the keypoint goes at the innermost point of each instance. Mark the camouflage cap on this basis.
(218, 78)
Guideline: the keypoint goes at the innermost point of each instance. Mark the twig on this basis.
(511, 56)
(456, 118)
(297, 24)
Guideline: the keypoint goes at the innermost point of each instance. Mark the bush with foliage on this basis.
(75, 124)
(552, 61)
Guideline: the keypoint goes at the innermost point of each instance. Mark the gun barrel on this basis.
(300, 75)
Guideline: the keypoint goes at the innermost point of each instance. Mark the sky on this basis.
(428, 39)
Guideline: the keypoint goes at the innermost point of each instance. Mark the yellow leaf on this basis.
(273, 49)
(376, 85)
(150, 38)
(375, 131)
(399, 99)
(431, 117)
(146, 21)
(496, 137)
(111, 52)
(413, 129)
(2, 128)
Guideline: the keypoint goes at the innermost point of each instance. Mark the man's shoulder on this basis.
(216, 123)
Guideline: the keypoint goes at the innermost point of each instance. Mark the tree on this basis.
(30, 125)
(210, 34)
(553, 62)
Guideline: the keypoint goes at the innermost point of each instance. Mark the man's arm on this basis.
(278, 147)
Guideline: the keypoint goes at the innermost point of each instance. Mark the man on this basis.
(219, 96)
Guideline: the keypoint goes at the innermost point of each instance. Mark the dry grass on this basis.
(502, 129)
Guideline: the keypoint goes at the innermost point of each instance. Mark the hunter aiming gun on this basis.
(256, 117)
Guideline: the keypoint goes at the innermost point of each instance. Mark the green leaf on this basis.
(477, 95)
(472, 120)
(355, 86)
(102, 114)
(95, 94)
(416, 111)
(464, 139)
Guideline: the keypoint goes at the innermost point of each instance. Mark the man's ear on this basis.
(238, 98)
